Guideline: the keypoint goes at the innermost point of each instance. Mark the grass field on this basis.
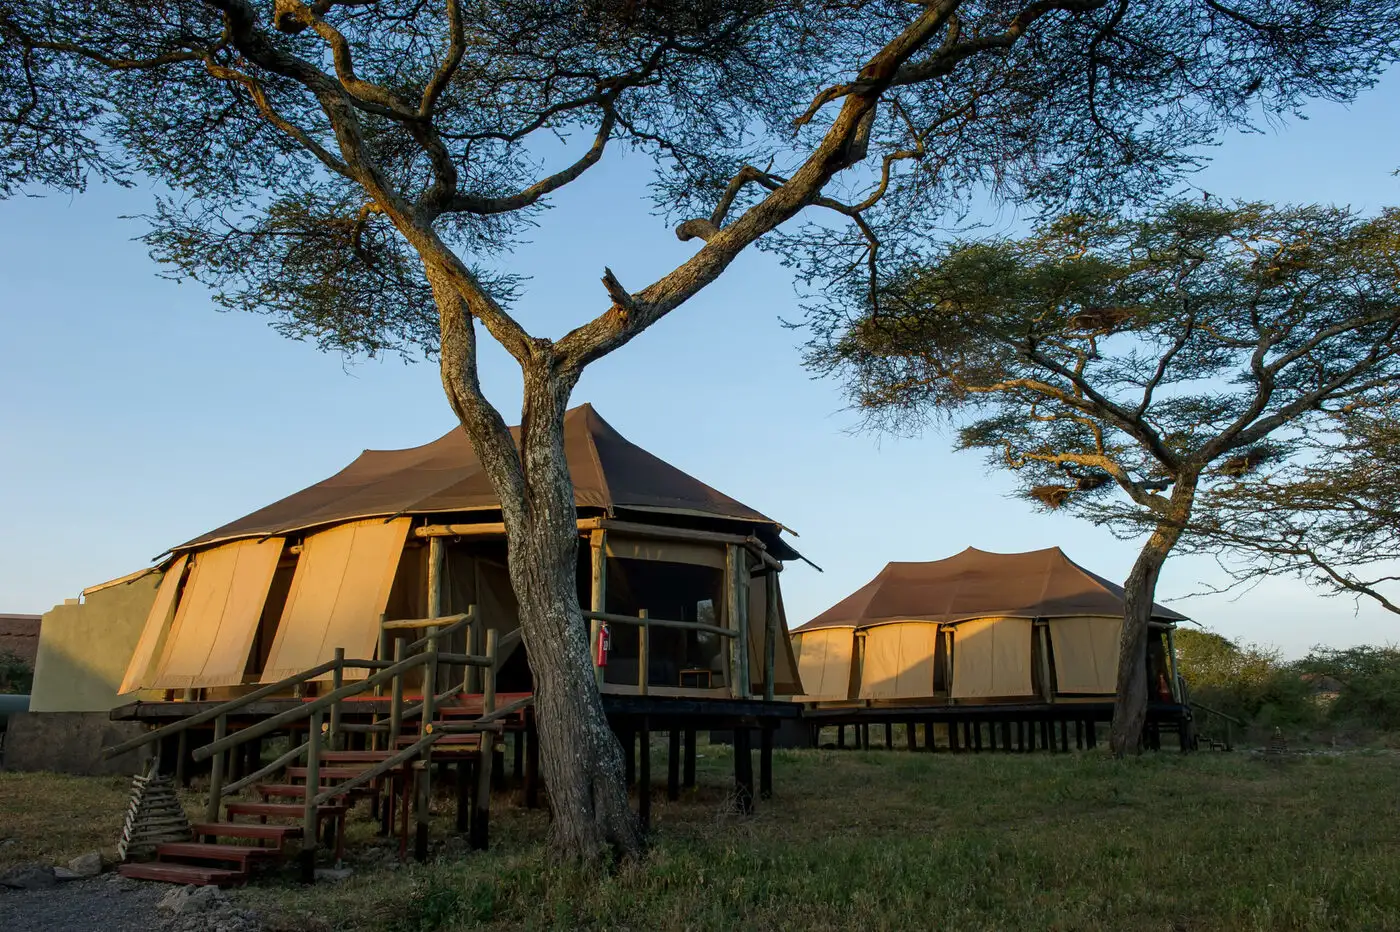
(891, 840)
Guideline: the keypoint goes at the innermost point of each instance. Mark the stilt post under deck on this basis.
(688, 778)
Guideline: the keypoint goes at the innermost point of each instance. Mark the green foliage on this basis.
(16, 675)
(1369, 684)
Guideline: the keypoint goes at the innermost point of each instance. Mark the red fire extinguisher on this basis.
(604, 644)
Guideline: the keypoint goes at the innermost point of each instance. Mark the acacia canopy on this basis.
(356, 168)
(1170, 359)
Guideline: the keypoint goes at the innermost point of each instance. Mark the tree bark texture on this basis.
(580, 758)
(1140, 588)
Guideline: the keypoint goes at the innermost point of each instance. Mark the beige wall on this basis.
(824, 662)
(992, 658)
(897, 660)
(84, 648)
(1086, 654)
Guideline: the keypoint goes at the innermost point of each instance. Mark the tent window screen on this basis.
(824, 662)
(153, 635)
(1086, 654)
(674, 592)
(992, 658)
(340, 589)
(898, 661)
(218, 615)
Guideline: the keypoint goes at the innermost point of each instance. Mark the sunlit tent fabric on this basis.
(609, 473)
(992, 658)
(824, 662)
(1086, 654)
(157, 627)
(217, 616)
(898, 660)
(989, 602)
(340, 589)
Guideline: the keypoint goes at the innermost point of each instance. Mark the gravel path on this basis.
(101, 904)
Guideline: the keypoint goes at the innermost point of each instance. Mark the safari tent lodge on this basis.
(986, 644)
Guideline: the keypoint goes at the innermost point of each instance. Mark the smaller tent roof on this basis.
(979, 584)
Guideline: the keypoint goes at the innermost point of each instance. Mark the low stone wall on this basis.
(69, 742)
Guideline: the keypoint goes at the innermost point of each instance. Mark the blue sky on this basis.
(133, 415)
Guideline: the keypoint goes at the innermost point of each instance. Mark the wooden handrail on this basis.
(305, 709)
(416, 623)
(660, 623)
(378, 770)
(233, 705)
(1228, 718)
(442, 632)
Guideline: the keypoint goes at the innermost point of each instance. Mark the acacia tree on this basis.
(1156, 357)
(351, 167)
(1329, 515)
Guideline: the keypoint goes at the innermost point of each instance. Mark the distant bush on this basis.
(1249, 682)
(16, 675)
(1367, 683)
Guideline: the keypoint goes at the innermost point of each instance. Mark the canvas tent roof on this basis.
(979, 584)
(609, 473)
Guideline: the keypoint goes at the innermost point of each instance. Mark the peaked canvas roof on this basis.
(609, 472)
(979, 584)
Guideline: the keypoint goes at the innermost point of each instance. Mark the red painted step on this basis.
(254, 830)
(361, 757)
(201, 851)
(282, 810)
(329, 773)
(298, 791)
(197, 874)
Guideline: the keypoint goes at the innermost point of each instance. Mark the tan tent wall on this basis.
(340, 589)
(824, 662)
(897, 660)
(157, 627)
(1086, 654)
(84, 648)
(992, 658)
(217, 616)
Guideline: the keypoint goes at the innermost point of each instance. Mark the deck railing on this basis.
(323, 714)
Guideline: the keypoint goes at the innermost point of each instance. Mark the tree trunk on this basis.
(580, 756)
(1140, 588)
(580, 759)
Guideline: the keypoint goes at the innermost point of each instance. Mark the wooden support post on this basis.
(471, 679)
(337, 681)
(532, 763)
(688, 779)
(841, 737)
(182, 759)
(396, 699)
(216, 773)
(771, 634)
(310, 823)
(930, 743)
(1020, 735)
(673, 765)
(422, 795)
(493, 650)
(1079, 734)
(765, 762)
(480, 838)
(889, 735)
(911, 736)
(736, 574)
(643, 653)
(1091, 729)
(953, 736)
(1064, 736)
(1045, 742)
(864, 729)
(743, 770)
(1174, 680)
(976, 735)
(644, 773)
(463, 776)
(1006, 736)
(598, 543)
